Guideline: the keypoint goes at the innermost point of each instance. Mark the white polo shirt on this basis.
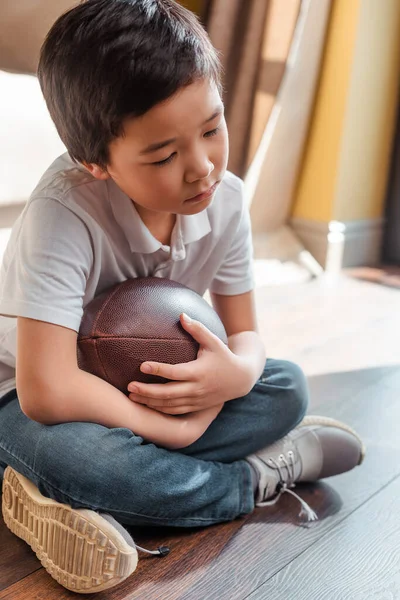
(78, 236)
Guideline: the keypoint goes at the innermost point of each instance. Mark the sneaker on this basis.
(83, 550)
(318, 447)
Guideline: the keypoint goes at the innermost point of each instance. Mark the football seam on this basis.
(103, 307)
(100, 361)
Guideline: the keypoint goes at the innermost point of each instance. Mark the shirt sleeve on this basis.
(46, 265)
(235, 274)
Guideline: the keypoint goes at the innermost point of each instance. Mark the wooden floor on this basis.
(345, 333)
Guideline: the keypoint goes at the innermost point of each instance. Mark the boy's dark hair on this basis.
(107, 60)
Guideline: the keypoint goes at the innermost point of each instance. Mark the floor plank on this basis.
(331, 324)
(16, 558)
(361, 558)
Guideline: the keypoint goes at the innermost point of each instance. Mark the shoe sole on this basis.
(312, 420)
(82, 551)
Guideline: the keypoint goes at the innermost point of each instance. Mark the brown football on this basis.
(136, 321)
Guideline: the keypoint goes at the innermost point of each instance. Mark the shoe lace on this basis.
(286, 485)
(161, 550)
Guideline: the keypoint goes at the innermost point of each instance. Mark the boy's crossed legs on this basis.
(113, 471)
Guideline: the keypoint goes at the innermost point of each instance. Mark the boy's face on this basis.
(171, 159)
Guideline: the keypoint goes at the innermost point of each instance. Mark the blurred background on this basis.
(312, 104)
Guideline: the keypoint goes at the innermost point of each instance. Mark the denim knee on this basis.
(81, 464)
(286, 382)
(297, 395)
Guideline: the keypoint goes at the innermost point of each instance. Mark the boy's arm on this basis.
(238, 315)
(52, 389)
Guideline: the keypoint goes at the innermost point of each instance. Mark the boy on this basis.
(133, 88)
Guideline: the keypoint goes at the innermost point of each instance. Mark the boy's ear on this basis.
(97, 171)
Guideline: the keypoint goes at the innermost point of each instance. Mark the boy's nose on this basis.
(201, 170)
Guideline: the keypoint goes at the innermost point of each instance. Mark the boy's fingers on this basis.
(200, 333)
(159, 403)
(180, 372)
(166, 406)
(163, 392)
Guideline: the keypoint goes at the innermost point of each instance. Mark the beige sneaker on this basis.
(318, 447)
(82, 550)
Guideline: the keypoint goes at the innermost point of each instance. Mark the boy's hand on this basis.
(217, 375)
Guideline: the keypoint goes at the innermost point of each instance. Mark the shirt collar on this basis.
(188, 228)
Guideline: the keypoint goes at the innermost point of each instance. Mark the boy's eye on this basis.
(161, 163)
(212, 132)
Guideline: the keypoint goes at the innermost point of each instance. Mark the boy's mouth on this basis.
(203, 195)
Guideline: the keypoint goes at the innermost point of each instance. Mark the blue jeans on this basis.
(87, 465)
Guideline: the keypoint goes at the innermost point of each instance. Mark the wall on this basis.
(346, 161)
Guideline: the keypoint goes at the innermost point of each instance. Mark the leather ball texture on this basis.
(137, 321)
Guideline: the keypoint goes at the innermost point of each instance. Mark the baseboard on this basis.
(336, 245)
